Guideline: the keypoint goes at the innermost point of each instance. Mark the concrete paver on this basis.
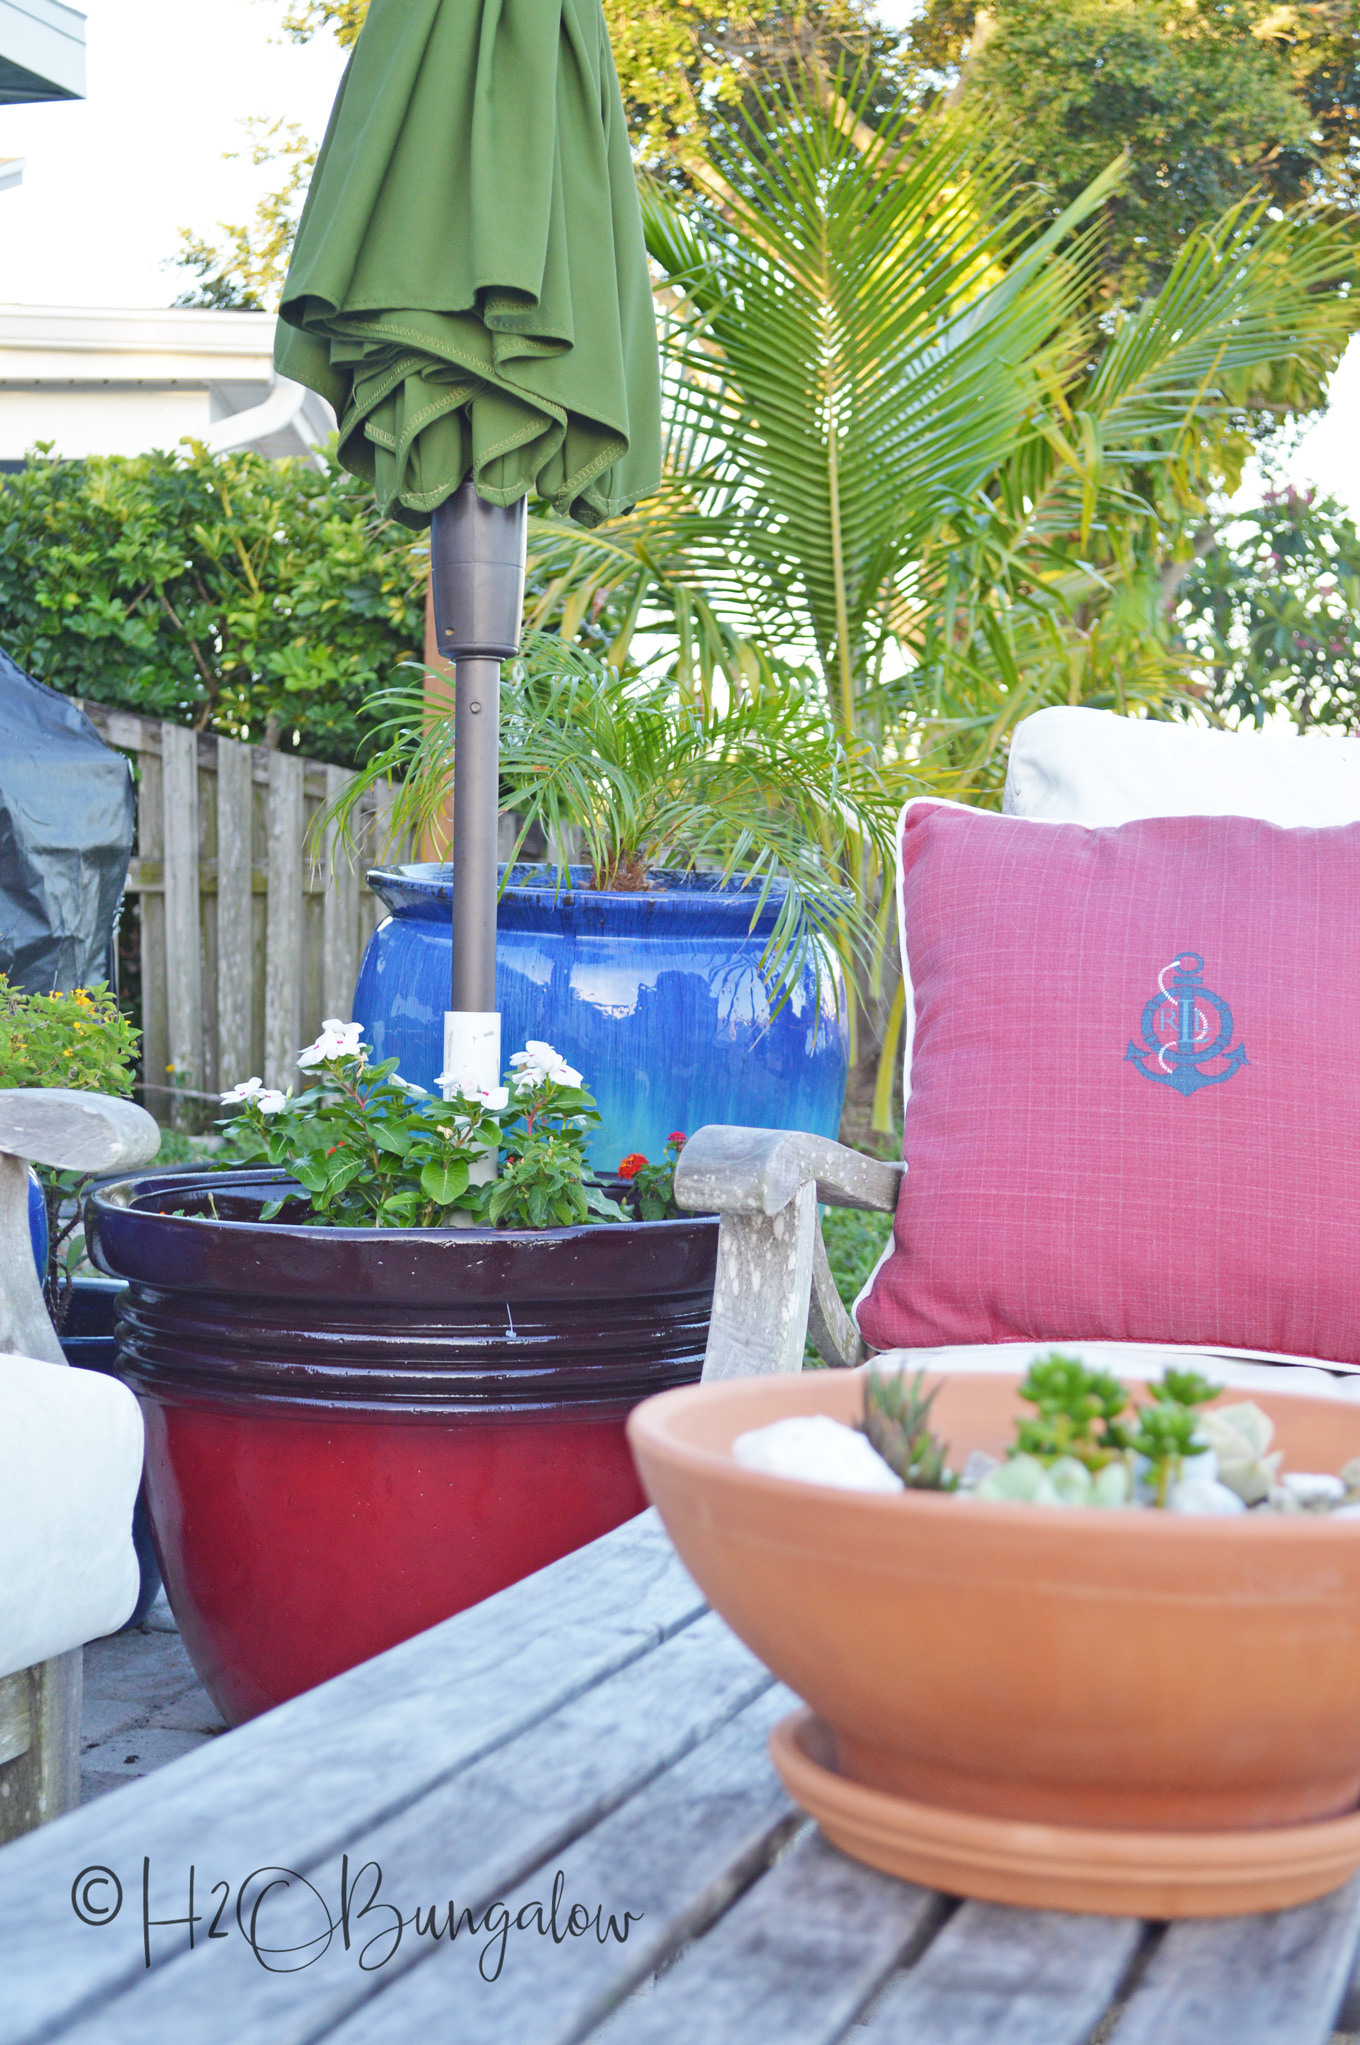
(144, 1706)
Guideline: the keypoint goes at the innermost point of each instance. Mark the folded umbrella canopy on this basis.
(469, 289)
(469, 286)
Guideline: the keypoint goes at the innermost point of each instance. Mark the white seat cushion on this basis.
(1074, 766)
(1139, 1362)
(70, 1464)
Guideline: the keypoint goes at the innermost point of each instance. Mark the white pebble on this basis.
(1203, 1495)
(1313, 1490)
(817, 1450)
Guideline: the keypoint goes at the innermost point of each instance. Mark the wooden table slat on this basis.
(297, 1785)
(467, 1842)
(996, 1976)
(1277, 1979)
(677, 1853)
(794, 1960)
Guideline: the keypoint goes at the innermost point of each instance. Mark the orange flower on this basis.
(632, 1165)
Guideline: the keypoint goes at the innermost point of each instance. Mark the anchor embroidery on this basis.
(1179, 1039)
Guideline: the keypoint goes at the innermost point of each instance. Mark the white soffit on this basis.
(42, 51)
(43, 344)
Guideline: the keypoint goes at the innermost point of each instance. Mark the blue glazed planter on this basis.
(37, 1221)
(656, 997)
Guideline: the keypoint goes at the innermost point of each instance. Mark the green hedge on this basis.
(238, 594)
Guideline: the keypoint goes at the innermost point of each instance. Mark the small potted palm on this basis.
(386, 1354)
(690, 956)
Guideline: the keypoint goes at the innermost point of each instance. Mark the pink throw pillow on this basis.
(1133, 1085)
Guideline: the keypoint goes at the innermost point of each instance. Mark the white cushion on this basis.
(1140, 1362)
(70, 1464)
(1075, 766)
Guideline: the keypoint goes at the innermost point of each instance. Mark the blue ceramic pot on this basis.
(656, 997)
(37, 1221)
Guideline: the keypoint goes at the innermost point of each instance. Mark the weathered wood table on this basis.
(572, 1778)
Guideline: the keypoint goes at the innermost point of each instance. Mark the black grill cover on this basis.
(67, 811)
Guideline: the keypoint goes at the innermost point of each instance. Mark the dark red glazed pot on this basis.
(353, 1433)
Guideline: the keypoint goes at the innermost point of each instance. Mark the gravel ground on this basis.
(144, 1705)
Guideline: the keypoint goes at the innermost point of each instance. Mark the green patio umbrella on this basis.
(469, 286)
(469, 289)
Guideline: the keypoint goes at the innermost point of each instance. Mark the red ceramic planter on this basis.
(354, 1433)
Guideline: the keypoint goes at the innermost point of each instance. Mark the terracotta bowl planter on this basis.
(1036, 1674)
(354, 1433)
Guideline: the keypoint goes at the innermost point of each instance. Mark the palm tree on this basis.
(906, 443)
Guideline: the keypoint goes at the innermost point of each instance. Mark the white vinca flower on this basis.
(538, 1062)
(337, 1040)
(485, 1096)
(244, 1090)
(270, 1101)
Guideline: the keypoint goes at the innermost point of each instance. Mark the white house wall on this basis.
(99, 420)
(110, 381)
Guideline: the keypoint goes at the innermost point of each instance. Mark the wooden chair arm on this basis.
(75, 1132)
(774, 1285)
(70, 1131)
(727, 1170)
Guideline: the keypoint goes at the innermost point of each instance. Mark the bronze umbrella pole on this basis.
(477, 576)
(469, 289)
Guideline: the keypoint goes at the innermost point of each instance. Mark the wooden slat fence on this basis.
(251, 933)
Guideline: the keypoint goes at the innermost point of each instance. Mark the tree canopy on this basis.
(1212, 99)
(1271, 613)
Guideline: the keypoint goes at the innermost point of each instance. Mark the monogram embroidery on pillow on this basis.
(1186, 1027)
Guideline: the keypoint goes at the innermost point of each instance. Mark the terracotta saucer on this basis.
(1062, 1867)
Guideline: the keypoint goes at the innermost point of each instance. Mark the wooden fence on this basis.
(251, 932)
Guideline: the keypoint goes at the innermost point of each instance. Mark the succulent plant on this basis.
(1071, 1399)
(897, 1422)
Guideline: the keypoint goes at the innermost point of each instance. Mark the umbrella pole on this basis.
(477, 576)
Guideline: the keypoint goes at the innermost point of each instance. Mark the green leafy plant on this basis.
(651, 1187)
(1211, 102)
(749, 784)
(371, 1151)
(80, 1040)
(545, 1181)
(897, 1422)
(913, 443)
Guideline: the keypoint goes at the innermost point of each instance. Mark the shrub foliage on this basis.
(260, 599)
